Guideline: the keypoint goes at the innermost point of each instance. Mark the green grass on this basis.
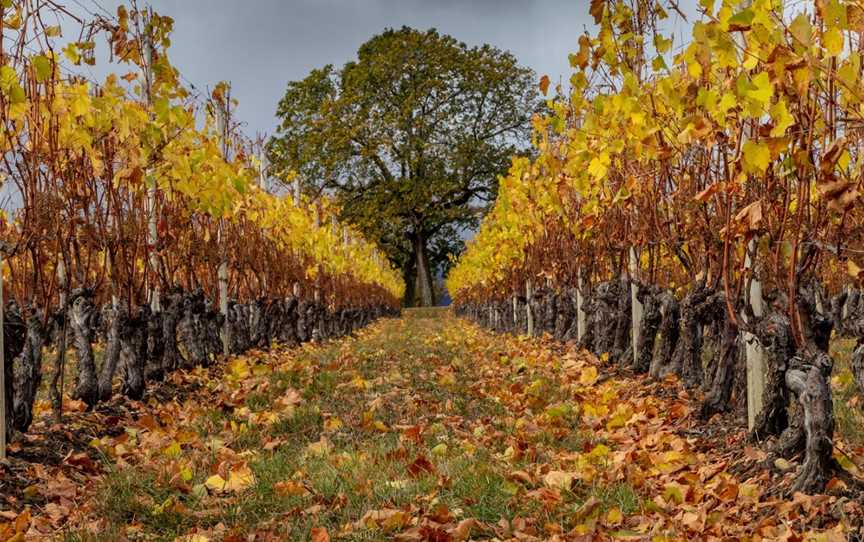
(392, 377)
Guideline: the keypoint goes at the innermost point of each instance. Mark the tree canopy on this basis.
(410, 138)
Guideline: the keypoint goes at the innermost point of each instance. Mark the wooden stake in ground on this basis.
(581, 316)
(636, 305)
(316, 294)
(530, 314)
(296, 189)
(753, 350)
(152, 188)
(223, 119)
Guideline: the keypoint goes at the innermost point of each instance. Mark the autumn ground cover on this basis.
(419, 428)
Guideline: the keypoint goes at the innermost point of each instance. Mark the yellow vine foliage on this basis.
(132, 140)
(750, 128)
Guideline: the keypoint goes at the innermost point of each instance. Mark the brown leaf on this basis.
(831, 155)
(840, 195)
(290, 488)
(596, 10)
(544, 84)
(751, 215)
(463, 530)
(419, 466)
(320, 534)
(706, 194)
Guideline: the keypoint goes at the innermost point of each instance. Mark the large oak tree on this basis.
(410, 138)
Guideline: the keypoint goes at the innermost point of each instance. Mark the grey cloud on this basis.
(260, 45)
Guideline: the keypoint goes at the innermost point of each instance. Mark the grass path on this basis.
(424, 428)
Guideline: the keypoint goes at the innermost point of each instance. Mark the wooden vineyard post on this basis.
(515, 311)
(262, 174)
(2, 372)
(753, 350)
(581, 317)
(222, 118)
(296, 195)
(528, 312)
(634, 300)
(316, 294)
(152, 187)
(845, 311)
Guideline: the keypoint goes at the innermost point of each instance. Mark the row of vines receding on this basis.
(719, 180)
(134, 219)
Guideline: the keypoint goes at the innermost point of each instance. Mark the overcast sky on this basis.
(260, 45)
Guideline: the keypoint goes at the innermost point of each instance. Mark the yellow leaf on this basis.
(761, 89)
(599, 165)
(588, 376)
(832, 41)
(853, 269)
(757, 156)
(172, 450)
(239, 368)
(240, 478)
(782, 119)
(215, 482)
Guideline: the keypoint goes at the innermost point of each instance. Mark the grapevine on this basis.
(690, 174)
(125, 197)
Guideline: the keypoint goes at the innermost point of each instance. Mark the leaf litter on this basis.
(422, 428)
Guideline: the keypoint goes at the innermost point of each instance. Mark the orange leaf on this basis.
(544, 84)
(320, 534)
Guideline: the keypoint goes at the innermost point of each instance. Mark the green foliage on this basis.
(410, 137)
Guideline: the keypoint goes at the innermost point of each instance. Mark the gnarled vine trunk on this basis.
(172, 312)
(648, 327)
(14, 335)
(133, 353)
(667, 336)
(82, 319)
(29, 376)
(112, 319)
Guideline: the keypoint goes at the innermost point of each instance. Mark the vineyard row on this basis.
(137, 218)
(694, 209)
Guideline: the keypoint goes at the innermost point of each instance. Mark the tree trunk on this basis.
(82, 318)
(153, 369)
(774, 334)
(172, 307)
(114, 318)
(409, 276)
(622, 348)
(191, 334)
(133, 353)
(668, 333)
(717, 399)
(13, 343)
(30, 375)
(424, 273)
(808, 379)
(651, 318)
(60, 324)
